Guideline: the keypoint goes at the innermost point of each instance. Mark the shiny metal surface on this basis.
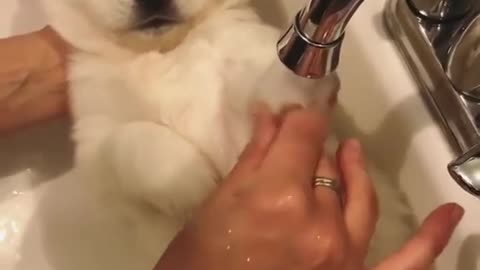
(441, 10)
(311, 46)
(333, 184)
(444, 57)
(463, 64)
(466, 171)
(324, 21)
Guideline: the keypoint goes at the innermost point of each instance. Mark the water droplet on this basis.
(229, 231)
(318, 237)
(249, 259)
(17, 193)
(228, 247)
(3, 235)
(15, 227)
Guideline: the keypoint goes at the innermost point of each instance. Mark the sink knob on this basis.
(441, 10)
(466, 171)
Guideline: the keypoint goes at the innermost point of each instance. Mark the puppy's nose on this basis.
(155, 6)
(155, 13)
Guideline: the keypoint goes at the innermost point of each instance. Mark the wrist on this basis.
(185, 253)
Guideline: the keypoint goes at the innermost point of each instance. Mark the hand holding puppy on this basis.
(267, 215)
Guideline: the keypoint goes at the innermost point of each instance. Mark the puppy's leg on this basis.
(154, 164)
(282, 88)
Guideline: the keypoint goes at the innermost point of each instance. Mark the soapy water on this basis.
(15, 210)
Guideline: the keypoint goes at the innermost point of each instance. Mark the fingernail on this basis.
(456, 213)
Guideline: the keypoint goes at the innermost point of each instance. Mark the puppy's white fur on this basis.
(161, 116)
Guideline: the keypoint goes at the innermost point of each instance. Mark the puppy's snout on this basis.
(155, 6)
(156, 13)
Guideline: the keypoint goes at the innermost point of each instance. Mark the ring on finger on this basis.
(326, 182)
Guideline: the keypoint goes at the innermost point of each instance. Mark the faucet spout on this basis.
(324, 21)
(311, 46)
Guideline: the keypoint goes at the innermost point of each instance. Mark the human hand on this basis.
(267, 216)
(32, 78)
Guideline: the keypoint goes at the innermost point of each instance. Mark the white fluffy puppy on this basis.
(160, 92)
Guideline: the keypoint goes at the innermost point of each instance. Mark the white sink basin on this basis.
(380, 104)
(384, 107)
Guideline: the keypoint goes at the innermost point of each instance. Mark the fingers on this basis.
(264, 130)
(421, 251)
(361, 209)
(297, 148)
(328, 200)
(44, 108)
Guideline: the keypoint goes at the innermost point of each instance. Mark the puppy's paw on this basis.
(155, 165)
(295, 91)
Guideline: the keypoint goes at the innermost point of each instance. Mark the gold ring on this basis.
(333, 184)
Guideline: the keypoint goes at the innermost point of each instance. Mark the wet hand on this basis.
(32, 78)
(268, 216)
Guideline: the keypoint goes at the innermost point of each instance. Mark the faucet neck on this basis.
(311, 47)
(324, 21)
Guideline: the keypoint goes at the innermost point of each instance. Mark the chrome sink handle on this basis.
(441, 10)
(440, 42)
(466, 171)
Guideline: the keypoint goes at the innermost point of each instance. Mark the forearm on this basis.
(32, 78)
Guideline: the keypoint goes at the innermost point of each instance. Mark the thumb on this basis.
(420, 252)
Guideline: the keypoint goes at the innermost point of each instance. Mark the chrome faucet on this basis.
(312, 44)
(440, 40)
(441, 10)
